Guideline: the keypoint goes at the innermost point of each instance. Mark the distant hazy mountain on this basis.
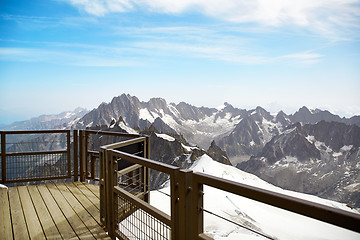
(54, 121)
(63, 120)
(305, 115)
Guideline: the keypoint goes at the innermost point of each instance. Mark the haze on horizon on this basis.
(57, 55)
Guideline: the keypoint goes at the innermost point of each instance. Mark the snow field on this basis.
(268, 220)
(165, 136)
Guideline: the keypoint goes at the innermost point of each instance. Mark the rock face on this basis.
(163, 127)
(293, 143)
(217, 154)
(244, 139)
(124, 105)
(321, 159)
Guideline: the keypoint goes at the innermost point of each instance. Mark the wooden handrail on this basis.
(159, 166)
(338, 217)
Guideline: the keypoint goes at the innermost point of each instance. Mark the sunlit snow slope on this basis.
(267, 220)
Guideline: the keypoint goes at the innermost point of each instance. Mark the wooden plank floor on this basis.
(51, 211)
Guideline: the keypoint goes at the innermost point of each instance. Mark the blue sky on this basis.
(56, 55)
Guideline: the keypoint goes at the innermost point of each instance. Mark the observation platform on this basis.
(120, 163)
(51, 211)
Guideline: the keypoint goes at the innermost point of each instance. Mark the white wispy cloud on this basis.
(73, 58)
(227, 53)
(29, 23)
(214, 43)
(157, 43)
(306, 57)
(100, 7)
(327, 17)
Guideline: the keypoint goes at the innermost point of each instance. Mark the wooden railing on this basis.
(122, 170)
(340, 218)
(129, 217)
(54, 154)
(109, 169)
(89, 145)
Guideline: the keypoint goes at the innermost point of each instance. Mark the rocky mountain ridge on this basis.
(241, 133)
(294, 151)
(322, 159)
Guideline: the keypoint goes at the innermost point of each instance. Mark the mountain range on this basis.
(310, 151)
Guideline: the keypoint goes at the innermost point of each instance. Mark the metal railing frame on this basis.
(88, 168)
(108, 178)
(4, 154)
(172, 171)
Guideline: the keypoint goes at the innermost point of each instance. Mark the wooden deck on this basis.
(51, 211)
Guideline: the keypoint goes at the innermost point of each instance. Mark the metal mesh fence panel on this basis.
(136, 224)
(36, 166)
(132, 181)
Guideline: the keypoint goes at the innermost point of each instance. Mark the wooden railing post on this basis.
(197, 214)
(76, 155)
(174, 203)
(102, 185)
(146, 170)
(3, 157)
(86, 154)
(184, 218)
(92, 166)
(110, 195)
(68, 152)
(82, 155)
